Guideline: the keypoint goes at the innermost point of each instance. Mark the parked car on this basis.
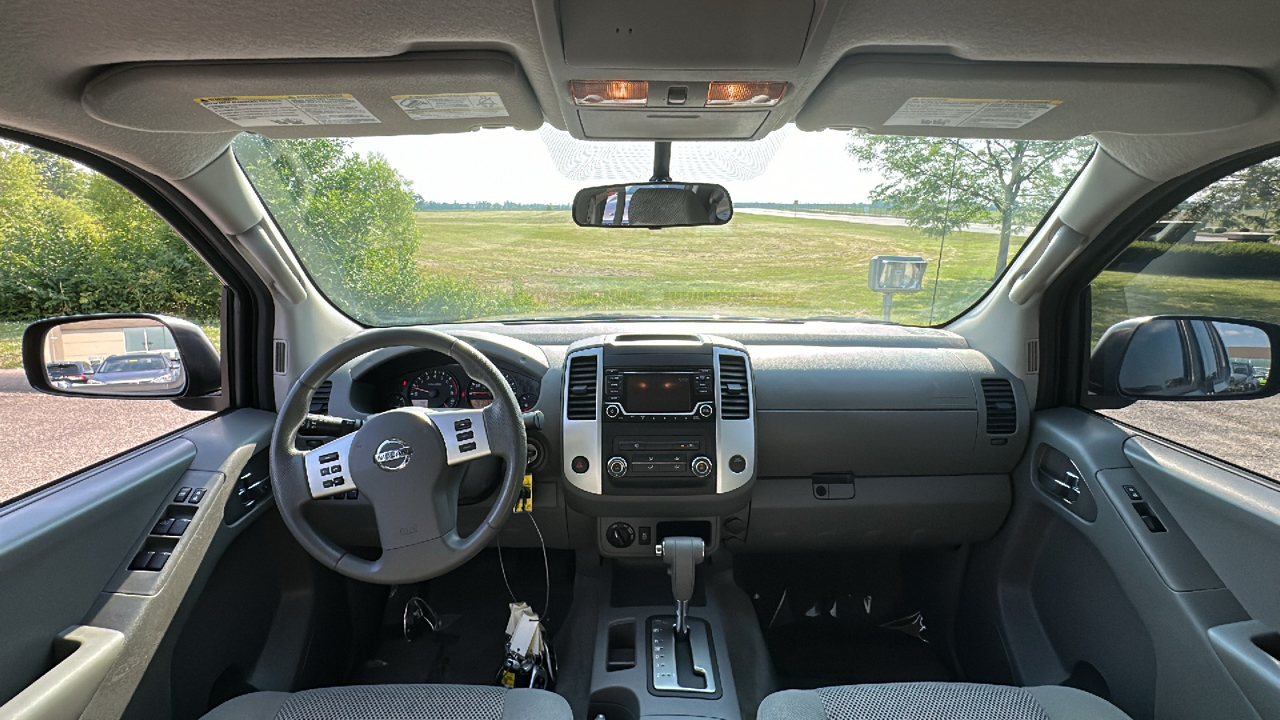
(69, 372)
(136, 369)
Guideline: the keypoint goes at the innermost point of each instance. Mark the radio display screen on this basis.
(658, 393)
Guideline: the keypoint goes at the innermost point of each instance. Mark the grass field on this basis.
(756, 265)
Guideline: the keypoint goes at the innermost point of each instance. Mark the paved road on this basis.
(1242, 432)
(46, 437)
(860, 219)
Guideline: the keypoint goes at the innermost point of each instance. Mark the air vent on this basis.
(582, 380)
(1002, 408)
(1033, 356)
(282, 357)
(735, 395)
(320, 400)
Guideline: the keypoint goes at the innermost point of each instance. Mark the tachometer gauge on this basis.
(434, 388)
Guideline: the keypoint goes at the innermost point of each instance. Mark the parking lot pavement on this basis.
(1241, 432)
(46, 437)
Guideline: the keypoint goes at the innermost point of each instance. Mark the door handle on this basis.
(64, 691)
(1067, 486)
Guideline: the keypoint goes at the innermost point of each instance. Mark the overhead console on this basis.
(651, 420)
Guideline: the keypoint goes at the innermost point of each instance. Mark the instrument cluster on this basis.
(448, 386)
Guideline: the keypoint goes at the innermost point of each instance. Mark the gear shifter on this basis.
(682, 555)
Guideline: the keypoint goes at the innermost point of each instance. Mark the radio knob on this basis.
(617, 467)
(706, 411)
(612, 411)
(701, 466)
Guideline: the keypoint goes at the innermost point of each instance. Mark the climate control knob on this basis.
(701, 466)
(706, 410)
(617, 467)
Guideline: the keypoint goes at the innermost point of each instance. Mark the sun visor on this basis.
(406, 95)
(947, 97)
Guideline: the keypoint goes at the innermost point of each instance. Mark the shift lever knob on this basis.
(682, 555)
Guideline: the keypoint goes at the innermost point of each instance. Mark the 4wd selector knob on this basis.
(617, 467)
(701, 466)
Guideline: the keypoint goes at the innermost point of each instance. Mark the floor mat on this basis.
(815, 653)
(471, 604)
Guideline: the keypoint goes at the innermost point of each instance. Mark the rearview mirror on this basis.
(120, 356)
(652, 205)
(1183, 358)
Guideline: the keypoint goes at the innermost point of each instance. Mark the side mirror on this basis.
(1182, 358)
(652, 205)
(139, 356)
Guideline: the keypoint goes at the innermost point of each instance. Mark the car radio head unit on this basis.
(647, 394)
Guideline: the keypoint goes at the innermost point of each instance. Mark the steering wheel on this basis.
(402, 461)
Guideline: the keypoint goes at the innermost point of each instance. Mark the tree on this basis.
(1246, 200)
(945, 184)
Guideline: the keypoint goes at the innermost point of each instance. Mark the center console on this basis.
(657, 416)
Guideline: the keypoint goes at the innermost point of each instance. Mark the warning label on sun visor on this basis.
(285, 110)
(968, 113)
(452, 106)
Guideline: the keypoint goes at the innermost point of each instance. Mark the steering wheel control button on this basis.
(580, 465)
(463, 424)
(466, 447)
(328, 458)
(196, 496)
(701, 466)
(182, 495)
(465, 435)
(620, 535)
(737, 463)
(617, 467)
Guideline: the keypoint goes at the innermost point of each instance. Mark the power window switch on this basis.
(1132, 492)
(141, 560)
(157, 561)
(179, 526)
(182, 495)
(196, 496)
(162, 527)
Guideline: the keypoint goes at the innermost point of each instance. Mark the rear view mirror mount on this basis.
(1182, 358)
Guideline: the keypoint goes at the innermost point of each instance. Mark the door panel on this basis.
(1108, 605)
(69, 555)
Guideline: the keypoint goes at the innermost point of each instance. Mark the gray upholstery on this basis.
(936, 701)
(397, 702)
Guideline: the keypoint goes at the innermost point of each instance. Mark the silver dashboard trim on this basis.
(734, 437)
(582, 437)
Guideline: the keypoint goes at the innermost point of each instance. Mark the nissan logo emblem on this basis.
(393, 454)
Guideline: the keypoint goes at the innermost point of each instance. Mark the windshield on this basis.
(477, 226)
(133, 364)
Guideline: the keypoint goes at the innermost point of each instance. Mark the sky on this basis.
(549, 166)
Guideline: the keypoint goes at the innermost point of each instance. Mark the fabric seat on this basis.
(397, 702)
(937, 701)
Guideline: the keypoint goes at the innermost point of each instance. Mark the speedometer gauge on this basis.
(435, 389)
